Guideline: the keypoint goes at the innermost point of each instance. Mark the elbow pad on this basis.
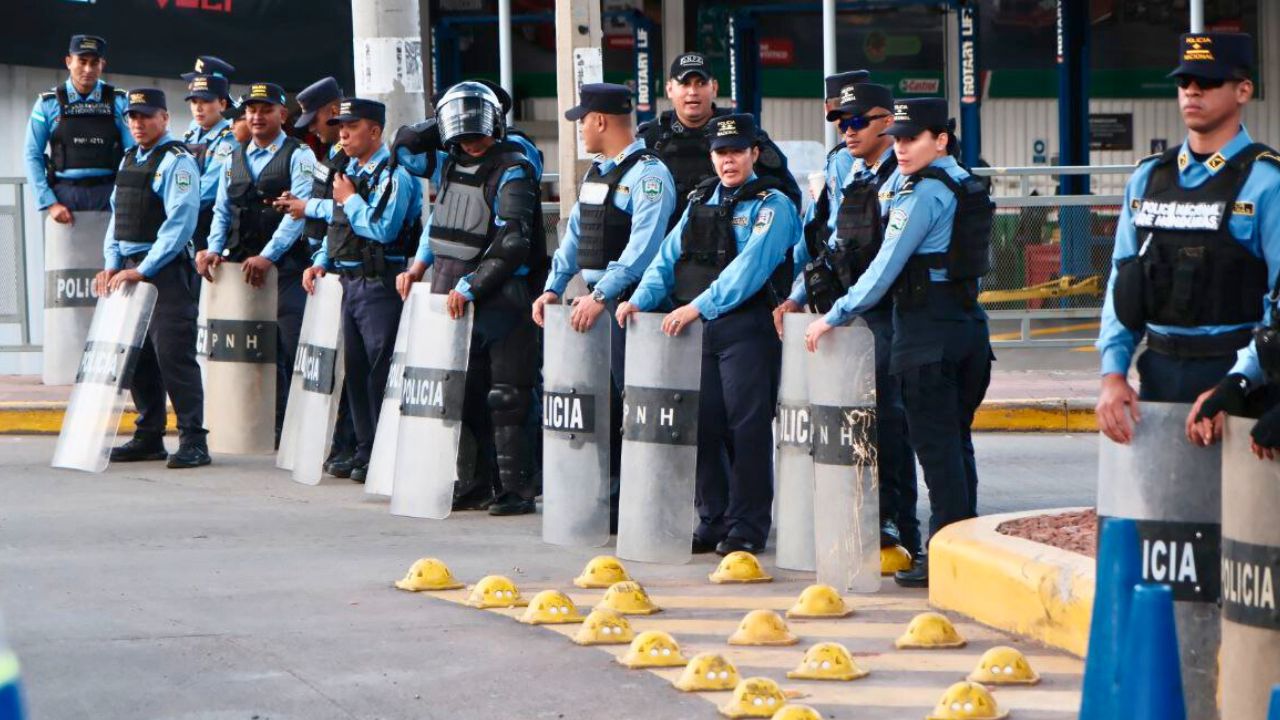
(517, 206)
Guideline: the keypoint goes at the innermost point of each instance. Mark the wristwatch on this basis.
(598, 297)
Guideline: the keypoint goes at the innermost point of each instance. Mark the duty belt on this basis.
(86, 181)
(1198, 346)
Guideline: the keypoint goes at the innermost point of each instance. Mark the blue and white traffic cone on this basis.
(1150, 670)
(1273, 710)
(1119, 568)
(10, 688)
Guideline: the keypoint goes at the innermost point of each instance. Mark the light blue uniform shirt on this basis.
(44, 118)
(648, 194)
(314, 209)
(176, 182)
(765, 229)
(217, 155)
(301, 166)
(405, 202)
(1259, 232)
(920, 220)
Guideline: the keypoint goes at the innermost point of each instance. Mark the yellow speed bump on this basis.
(601, 572)
(755, 697)
(797, 712)
(828, 661)
(739, 567)
(428, 574)
(653, 648)
(820, 601)
(967, 701)
(628, 598)
(894, 559)
(551, 607)
(495, 591)
(763, 627)
(604, 627)
(930, 630)
(1004, 665)
(708, 672)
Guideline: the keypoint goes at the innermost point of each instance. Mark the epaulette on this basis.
(49, 95)
(907, 188)
(1270, 157)
(1153, 156)
(179, 150)
(120, 92)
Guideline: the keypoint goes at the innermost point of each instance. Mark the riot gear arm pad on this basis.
(418, 139)
(517, 207)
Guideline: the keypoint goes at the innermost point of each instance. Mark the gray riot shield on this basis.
(382, 459)
(102, 381)
(659, 441)
(202, 334)
(317, 374)
(240, 346)
(846, 493)
(72, 257)
(793, 497)
(575, 431)
(1172, 489)
(1250, 572)
(431, 396)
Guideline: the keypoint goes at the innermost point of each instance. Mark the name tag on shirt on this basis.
(593, 193)
(1157, 215)
(320, 172)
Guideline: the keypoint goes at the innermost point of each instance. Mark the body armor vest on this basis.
(139, 211)
(322, 189)
(346, 245)
(1190, 271)
(200, 150)
(253, 218)
(462, 223)
(687, 154)
(86, 136)
(603, 229)
(967, 257)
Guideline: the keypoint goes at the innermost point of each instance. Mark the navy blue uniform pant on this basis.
(895, 461)
(84, 197)
(370, 317)
(167, 363)
(1168, 378)
(741, 363)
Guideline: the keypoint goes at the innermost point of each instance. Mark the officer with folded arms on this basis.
(154, 209)
(211, 141)
(717, 266)
(374, 222)
(934, 251)
(82, 121)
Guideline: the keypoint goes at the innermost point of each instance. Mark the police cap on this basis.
(606, 98)
(264, 92)
(315, 96)
(733, 131)
(835, 83)
(87, 45)
(210, 65)
(207, 87)
(147, 101)
(912, 117)
(360, 109)
(688, 64)
(1216, 56)
(860, 98)
(235, 109)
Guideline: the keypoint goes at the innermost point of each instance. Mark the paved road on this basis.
(232, 593)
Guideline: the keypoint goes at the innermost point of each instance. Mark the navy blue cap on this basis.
(210, 65)
(835, 83)
(87, 45)
(689, 63)
(912, 117)
(315, 96)
(207, 87)
(264, 92)
(860, 98)
(1216, 56)
(354, 108)
(606, 98)
(147, 101)
(733, 131)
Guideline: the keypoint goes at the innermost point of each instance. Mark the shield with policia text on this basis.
(317, 380)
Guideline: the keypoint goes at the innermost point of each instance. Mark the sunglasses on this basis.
(1184, 82)
(859, 122)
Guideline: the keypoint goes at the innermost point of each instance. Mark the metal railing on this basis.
(13, 262)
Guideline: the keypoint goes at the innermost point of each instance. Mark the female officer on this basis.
(716, 263)
(934, 252)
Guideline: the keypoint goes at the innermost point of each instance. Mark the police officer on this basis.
(210, 65)
(681, 136)
(374, 223)
(935, 248)
(864, 113)
(1196, 248)
(234, 114)
(211, 141)
(155, 204)
(819, 215)
(484, 239)
(248, 229)
(717, 266)
(82, 122)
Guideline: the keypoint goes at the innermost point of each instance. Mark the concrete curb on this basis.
(1023, 587)
(45, 418)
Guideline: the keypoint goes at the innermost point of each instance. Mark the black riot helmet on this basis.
(467, 110)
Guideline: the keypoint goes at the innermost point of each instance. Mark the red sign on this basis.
(206, 5)
(777, 52)
(620, 42)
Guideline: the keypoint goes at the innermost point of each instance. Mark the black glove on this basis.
(1266, 432)
(1228, 396)
(418, 138)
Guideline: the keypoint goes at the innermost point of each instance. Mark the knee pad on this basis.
(509, 404)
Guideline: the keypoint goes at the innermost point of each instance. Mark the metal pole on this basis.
(1197, 16)
(387, 43)
(578, 38)
(828, 59)
(504, 51)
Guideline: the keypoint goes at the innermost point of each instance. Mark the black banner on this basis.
(844, 436)
(1183, 556)
(1248, 584)
(317, 365)
(664, 417)
(570, 412)
(241, 341)
(284, 41)
(794, 426)
(70, 288)
(428, 392)
(109, 364)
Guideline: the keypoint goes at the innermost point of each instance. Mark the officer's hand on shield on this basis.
(309, 278)
(406, 279)
(1204, 422)
(456, 304)
(343, 188)
(541, 302)
(287, 203)
(61, 214)
(625, 310)
(101, 280)
(787, 306)
(816, 329)
(1266, 435)
(585, 311)
(206, 262)
(1116, 402)
(679, 319)
(256, 269)
(119, 279)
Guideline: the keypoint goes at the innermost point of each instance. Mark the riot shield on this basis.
(575, 431)
(72, 257)
(318, 371)
(846, 492)
(431, 395)
(202, 333)
(240, 353)
(382, 458)
(659, 441)
(102, 381)
(793, 497)
(1173, 490)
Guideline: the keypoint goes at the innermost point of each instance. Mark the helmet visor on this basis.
(464, 117)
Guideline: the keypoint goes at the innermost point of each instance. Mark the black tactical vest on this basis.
(139, 211)
(815, 231)
(1190, 271)
(200, 150)
(346, 245)
(967, 257)
(253, 218)
(604, 229)
(86, 135)
(1266, 339)
(860, 224)
(685, 151)
(322, 189)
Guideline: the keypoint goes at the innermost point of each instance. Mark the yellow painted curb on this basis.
(1012, 584)
(1057, 415)
(45, 418)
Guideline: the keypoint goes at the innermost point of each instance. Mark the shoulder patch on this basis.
(182, 180)
(651, 188)
(897, 223)
(764, 219)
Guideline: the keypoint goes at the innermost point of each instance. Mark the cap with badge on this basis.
(87, 45)
(1216, 56)
(147, 101)
(735, 132)
(210, 65)
(315, 96)
(689, 63)
(835, 83)
(207, 87)
(606, 98)
(264, 92)
(860, 98)
(360, 109)
(912, 117)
